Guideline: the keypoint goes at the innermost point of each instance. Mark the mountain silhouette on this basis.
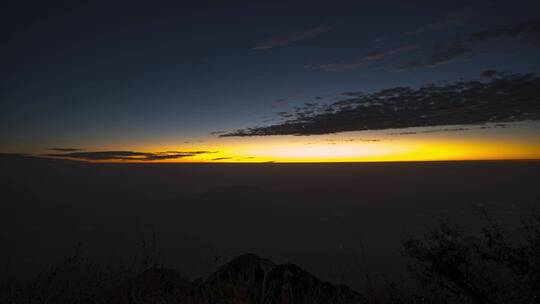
(247, 278)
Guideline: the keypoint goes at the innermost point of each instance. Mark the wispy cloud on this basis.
(441, 53)
(436, 53)
(289, 38)
(221, 158)
(216, 133)
(505, 98)
(65, 149)
(127, 155)
(362, 61)
(525, 33)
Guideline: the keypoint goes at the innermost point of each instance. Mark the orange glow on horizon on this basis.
(402, 150)
(518, 143)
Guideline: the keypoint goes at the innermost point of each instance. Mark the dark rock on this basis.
(245, 279)
(251, 279)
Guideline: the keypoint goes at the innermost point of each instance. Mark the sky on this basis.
(270, 81)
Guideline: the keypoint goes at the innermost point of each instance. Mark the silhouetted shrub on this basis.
(498, 266)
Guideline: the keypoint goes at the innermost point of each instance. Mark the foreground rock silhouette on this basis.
(245, 279)
(446, 265)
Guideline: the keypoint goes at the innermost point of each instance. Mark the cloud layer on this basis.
(504, 98)
(127, 155)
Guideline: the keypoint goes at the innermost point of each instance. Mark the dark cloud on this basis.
(362, 61)
(404, 133)
(431, 131)
(216, 133)
(284, 115)
(354, 94)
(127, 155)
(334, 141)
(459, 129)
(289, 38)
(65, 149)
(446, 130)
(221, 158)
(506, 98)
(489, 73)
(447, 51)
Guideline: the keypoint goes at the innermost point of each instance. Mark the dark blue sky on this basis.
(90, 73)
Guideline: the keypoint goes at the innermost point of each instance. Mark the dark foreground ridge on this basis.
(446, 266)
(245, 279)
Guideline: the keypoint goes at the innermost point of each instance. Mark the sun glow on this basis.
(397, 150)
(479, 144)
(321, 152)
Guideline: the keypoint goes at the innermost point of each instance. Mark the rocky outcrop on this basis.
(251, 279)
(245, 279)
